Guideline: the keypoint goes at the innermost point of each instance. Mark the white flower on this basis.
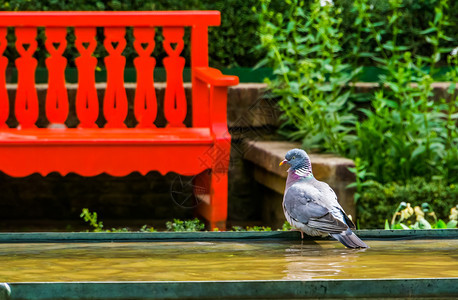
(454, 52)
(326, 2)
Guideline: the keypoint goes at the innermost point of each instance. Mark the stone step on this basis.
(266, 156)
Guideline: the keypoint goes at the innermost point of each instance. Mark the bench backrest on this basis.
(115, 106)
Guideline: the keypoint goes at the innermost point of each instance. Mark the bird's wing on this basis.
(331, 198)
(300, 203)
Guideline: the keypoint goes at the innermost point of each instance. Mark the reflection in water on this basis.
(308, 261)
(394, 259)
(226, 261)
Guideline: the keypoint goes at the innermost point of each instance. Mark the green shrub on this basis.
(233, 43)
(230, 44)
(406, 133)
(378, 201)
(401, 131)
(419, 217)
(187, 225)
(304, 47)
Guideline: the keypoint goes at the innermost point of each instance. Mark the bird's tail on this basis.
(349, 239)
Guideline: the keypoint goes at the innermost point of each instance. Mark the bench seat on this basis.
(117, 152)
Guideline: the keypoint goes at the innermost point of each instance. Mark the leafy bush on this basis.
(402, 132)
(232, 44)
(187, 225)
(229, 45)
(304, 48)
(419, 217)
(405, 133)
(378, 201)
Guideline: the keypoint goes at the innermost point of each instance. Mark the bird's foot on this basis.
(302, 233)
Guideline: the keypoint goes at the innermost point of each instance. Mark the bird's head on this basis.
(297, 158)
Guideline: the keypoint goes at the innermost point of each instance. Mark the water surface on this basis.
(187, 261)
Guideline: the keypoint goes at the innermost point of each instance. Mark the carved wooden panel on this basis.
(26, 105)
(175, 106)
(145, 105)
(87, 103)
(4, 104)
(56, 97)
(115, 100)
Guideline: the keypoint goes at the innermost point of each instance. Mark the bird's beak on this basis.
(282, 162)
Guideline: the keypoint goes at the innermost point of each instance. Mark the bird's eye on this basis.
(294, 157)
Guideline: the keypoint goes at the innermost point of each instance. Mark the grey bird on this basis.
(311, 206)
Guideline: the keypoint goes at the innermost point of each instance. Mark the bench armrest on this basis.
(214, 77)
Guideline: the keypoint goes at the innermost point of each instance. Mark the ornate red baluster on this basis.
(115, 100)
(175, 106)
(26, 106)
(56, 97)
(145, 106)
(4, 104)
(87, 103)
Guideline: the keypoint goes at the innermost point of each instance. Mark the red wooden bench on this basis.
(88, 150)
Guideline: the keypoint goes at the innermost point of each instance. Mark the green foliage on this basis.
(146, 228)
(232, 44)
(406, 217)
(258, 228)
(251, 228)
(97, 226)
(378, 201)
(304, 47)
(91, 218)
(229, 45)
(187, 225)
(286, 226)
(453, 218)
(406, 133)
(402, 132)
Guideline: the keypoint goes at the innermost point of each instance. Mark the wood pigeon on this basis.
(311, 206)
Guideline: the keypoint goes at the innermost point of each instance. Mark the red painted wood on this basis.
(98, 136)
(199, 58)
(216, 210)
(145, 103)
(91, 152)
(115, 100)
(110, 19)
(116, 160)
(175, 106)
(87, 103)
(26, 105)
(56, 97)
(4, 103)
(215, 77)
(203, 150)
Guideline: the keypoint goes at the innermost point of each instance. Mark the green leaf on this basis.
(419, 150)
(423, 224)
(429, 30)
(398, 226)
(452, 224)
(440, 225)
(387, 225)
(403, 226)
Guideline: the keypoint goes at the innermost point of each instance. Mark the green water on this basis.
(186, 261)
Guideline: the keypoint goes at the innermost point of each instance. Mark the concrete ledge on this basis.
(266, 155)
